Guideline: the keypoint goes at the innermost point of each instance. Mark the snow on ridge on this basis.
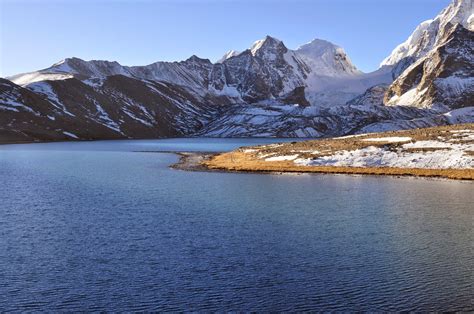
(227, 55)
(409, 46)
(259, 44)
(326, 58)
(332, 61)
(256, 46)
(426, 34)
(33, 77)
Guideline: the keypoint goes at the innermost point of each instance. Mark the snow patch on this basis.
(380, 157)
(8, 108)
(70, 134)
(45, 89)
(426, 144)
(394, 139)
(282, 158)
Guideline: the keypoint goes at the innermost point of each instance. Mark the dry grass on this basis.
(240, 161)
(328, 147)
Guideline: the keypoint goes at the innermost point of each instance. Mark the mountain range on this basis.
(266, 90)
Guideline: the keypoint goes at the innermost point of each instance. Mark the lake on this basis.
(100, 226)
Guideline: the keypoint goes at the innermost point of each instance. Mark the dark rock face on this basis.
(401, 66)
(260, 74)
(27, 116)
(296, 96)
(443, 78)
(121, 107)
(373, 96)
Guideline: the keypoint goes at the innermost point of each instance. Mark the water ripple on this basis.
(120, 231)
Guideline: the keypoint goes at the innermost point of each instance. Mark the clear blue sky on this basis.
(38, 33)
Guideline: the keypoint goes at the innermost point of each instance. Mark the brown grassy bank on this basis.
(235, 161)
(250, 160)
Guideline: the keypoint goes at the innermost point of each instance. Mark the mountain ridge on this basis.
(265, 90)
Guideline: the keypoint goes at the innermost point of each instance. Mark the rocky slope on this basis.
(266, 90)
(117, 107)
(439, 61)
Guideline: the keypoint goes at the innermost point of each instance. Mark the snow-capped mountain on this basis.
(439, 61)
(431, 32)
(266, 90)
(325, 58)
(268, 69)
(443, 79)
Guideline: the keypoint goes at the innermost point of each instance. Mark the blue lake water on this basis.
(100, 226)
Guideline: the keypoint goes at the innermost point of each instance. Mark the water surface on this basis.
(99, 226)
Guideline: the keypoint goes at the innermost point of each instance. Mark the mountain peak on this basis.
(66, 65)
(227, 55)
(459, 12)
(429, 32)
(268, 43)
(326, 58)
(195, 58)
(317, 46)
(73, 62)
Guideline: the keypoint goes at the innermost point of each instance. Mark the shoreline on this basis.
(436, 152)
(193, 161)
(144, 138)
(203, 161)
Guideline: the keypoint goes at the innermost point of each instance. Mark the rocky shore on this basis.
(193, 161)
